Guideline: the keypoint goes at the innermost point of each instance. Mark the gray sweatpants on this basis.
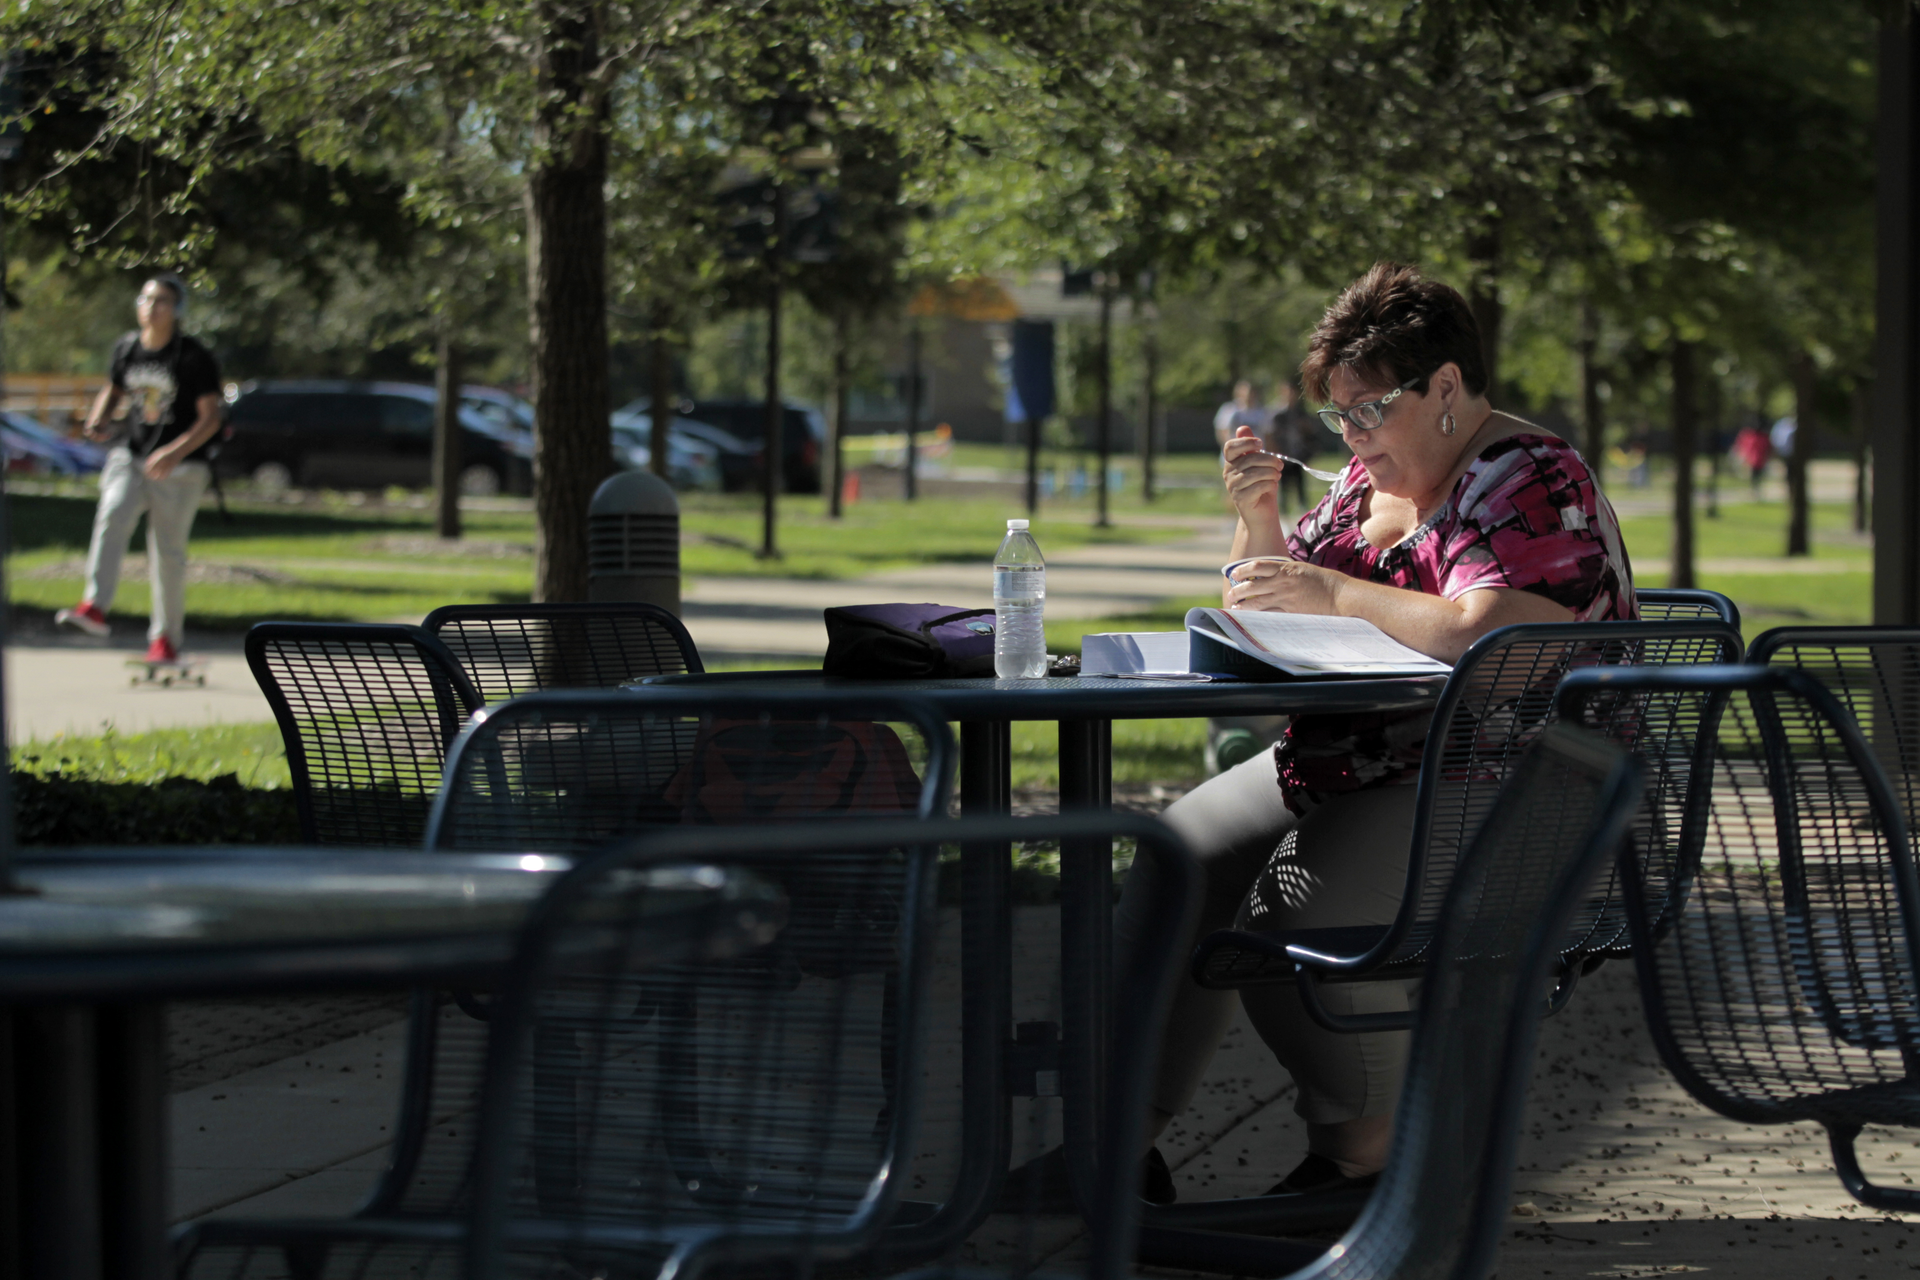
(1344, 863)
(170, 505)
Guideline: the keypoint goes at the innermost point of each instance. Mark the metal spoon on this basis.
(1315, 472)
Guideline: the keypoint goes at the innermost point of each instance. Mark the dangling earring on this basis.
(1449, 426)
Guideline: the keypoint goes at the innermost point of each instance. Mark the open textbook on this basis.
(1254, 646)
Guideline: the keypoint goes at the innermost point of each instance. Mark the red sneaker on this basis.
(85, 616)
(162, 650)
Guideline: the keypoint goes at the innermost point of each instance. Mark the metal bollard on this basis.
(633, 541)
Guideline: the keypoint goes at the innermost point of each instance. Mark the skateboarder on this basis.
(164, 395)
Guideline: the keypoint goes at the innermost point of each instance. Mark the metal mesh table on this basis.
(1085, 708)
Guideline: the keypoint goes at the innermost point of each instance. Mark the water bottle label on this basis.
(1019, 584)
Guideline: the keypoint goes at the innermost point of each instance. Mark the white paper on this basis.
(1305, 644)
(1134, 653)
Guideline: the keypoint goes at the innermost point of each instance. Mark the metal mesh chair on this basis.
(771, 1179)
(1498, 699)
(1784, 984)
(1685, 604)
(367, 713)
(709, 1115)
(512, 649)
(1875, 673)
(1443, 1200)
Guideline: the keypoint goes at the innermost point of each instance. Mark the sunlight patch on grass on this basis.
(252, 752)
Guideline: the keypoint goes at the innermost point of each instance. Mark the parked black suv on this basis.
(362, 435)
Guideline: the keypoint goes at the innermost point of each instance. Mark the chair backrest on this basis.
(1685, 604)
(1786, 985)
(570, 772)
(566, 772)
(367, 713)
(1875, 673)
(512, 649)
(718, 1115)
(1498, 699)
(1442, 1201)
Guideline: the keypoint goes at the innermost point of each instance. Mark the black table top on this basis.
(95, 927)
(1095, 698)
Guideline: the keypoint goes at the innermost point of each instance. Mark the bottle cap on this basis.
(1015, 526)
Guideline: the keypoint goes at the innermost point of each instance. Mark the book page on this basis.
(1133, 652)
(1311, 644)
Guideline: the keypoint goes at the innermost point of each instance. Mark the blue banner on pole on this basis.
(1030, 394)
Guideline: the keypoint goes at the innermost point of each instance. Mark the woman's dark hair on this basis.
(1393, 325)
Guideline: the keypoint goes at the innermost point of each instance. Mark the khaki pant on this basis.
(169, 505)
(1343, 864)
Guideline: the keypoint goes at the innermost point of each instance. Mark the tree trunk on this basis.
(1713, 413)
(912, 479)
(1685, 427)
(1033, 466)
(661, 395)
(773, 448)
(1862, 424)
(1483, 297)
(1595, 424)
(567, 292)
(1804, 427)
(837, 417)
(447, 460)
(1149, 395)
(1103, 427)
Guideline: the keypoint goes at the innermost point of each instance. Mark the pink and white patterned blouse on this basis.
(1525, 515)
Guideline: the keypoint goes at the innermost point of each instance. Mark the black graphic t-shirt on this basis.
(161, 389)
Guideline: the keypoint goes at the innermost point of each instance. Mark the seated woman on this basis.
(1451, 520)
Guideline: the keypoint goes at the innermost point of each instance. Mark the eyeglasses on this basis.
(1368, 416)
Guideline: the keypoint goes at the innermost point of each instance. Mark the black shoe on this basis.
(1040, 1185)
(1316, 1174)
(1156, 1180)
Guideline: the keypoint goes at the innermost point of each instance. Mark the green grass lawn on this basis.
(251, 752)
(1839, 592)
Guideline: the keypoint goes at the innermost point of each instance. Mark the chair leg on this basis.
(1564, 982)
(1897, 1199)
(306, 1261)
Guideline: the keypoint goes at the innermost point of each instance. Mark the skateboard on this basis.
(181, 670)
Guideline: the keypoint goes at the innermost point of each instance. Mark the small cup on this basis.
(1226, 571)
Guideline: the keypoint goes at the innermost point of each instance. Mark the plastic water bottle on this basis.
(1019, 606)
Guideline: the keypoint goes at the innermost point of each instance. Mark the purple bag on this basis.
(904, 641)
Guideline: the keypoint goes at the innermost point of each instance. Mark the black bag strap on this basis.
(926, 628)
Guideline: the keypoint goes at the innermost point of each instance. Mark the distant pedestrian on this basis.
(1241, 411)
(1782, 435)
(1751, 447)
(163, 402)
(1287, 433)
